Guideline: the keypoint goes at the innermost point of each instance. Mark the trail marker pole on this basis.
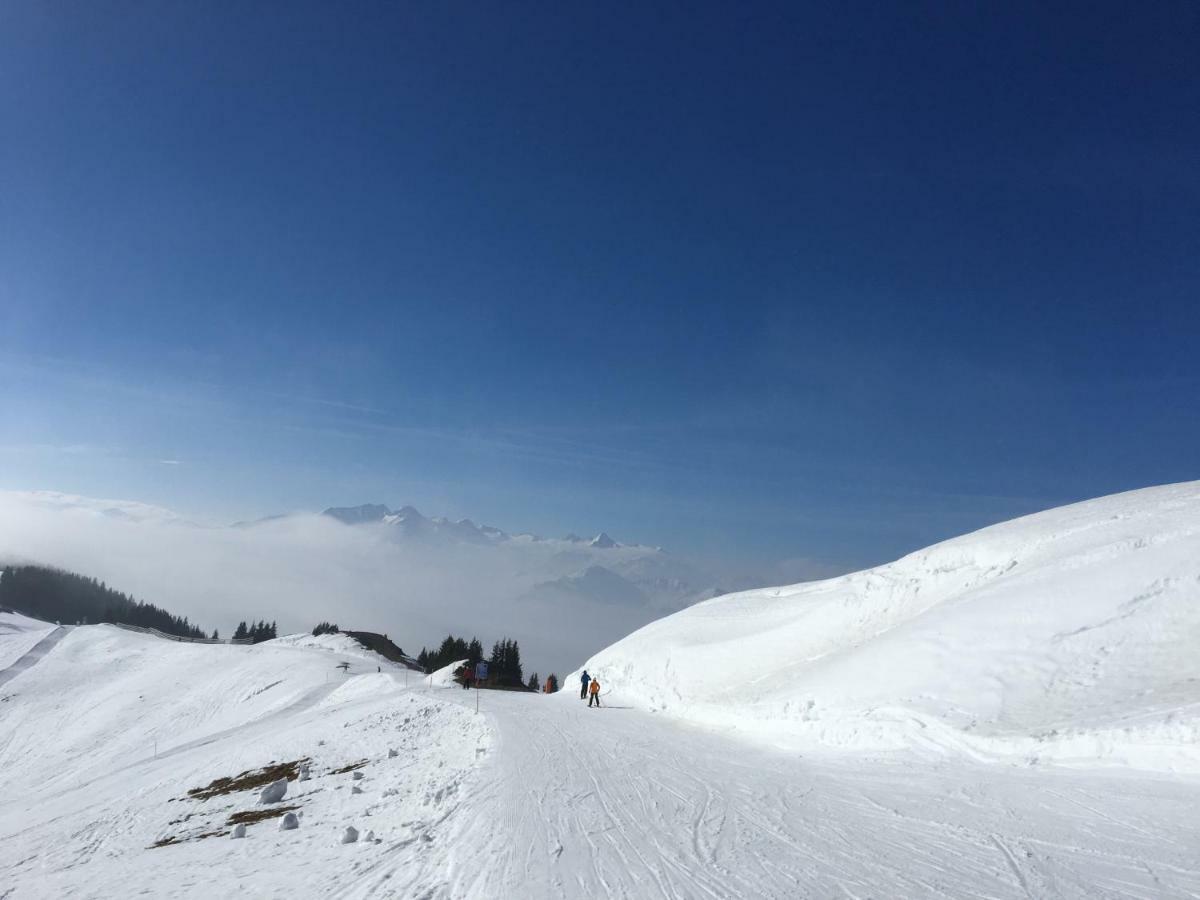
(481, 673)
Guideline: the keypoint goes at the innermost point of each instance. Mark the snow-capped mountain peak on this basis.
(356, 515)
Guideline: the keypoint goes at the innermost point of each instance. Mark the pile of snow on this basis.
(1068, 635)
(274, 792)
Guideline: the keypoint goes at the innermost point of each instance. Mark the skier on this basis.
(583, 683)
(594, 693)
(466, 677)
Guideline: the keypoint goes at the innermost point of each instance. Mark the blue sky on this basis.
(818, 280)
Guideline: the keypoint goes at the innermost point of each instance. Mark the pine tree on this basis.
(553, 682)
(240, 632)
(216, 635)
(514, 663)
(534, 684)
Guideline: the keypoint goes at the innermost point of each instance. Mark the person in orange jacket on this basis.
(594, 692)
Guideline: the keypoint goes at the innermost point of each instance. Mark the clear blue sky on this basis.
(826, 280)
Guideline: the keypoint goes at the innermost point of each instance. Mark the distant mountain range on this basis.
(410, 521)
(597, 571)
(373, 567)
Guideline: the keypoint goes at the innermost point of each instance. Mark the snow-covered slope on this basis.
(127, 762)
(346, 647)
(18, 634)
(102, 740)
(1071, 634)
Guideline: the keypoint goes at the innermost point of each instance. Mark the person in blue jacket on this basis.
(583, 684)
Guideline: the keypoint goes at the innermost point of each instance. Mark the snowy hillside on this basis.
(114, 746)
(136, 766)
(1071, 635)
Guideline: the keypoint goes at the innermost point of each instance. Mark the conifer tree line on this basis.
(258, 632)
(452, 650)
(325, 628)
(504, 663)
(58, 596)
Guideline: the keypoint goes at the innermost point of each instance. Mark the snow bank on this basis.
(1067, 635)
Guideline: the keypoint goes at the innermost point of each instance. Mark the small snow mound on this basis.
(274, 792)
(288, 822)
(393, 753)
(239, 831)
(357, 776)
(356, 790)
(350, 835)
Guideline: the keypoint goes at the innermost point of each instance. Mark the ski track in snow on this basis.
(620, 803)
(536, 797)
(30, 657)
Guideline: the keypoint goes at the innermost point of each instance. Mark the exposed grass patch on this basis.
(250, 779)
(250, 816)
(173, 839)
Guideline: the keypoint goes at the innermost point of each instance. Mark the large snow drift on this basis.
(1071, 635)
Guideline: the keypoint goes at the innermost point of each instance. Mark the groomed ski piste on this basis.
(1013, 713)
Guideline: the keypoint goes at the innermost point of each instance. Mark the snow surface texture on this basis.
(18, 635)
(101, 740)
(535, 798)
(542, 797)
(1069, 635)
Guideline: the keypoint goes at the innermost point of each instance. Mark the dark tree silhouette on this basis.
(59, 596)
